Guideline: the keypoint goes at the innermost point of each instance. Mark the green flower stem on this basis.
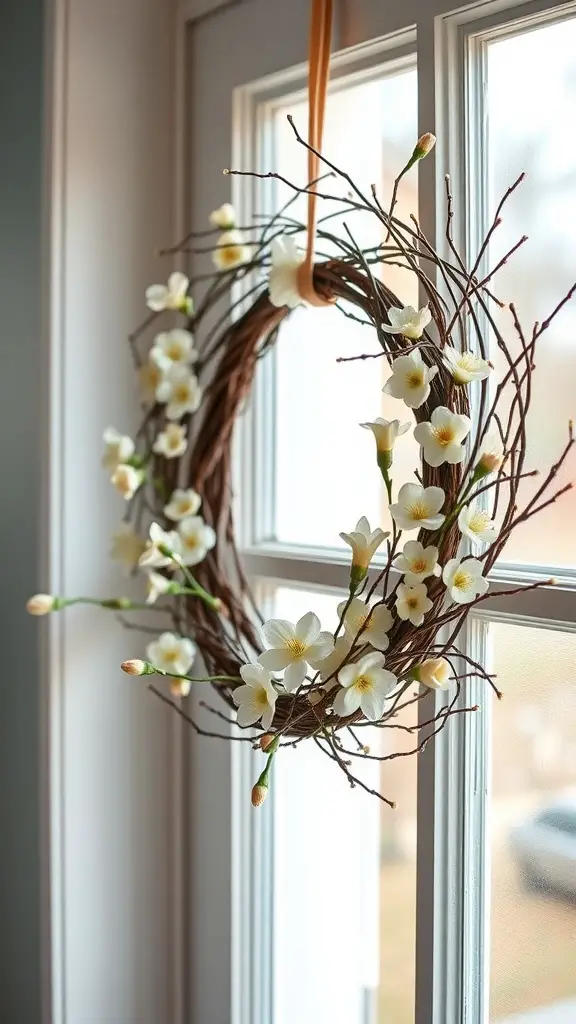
(117, 604)
(264, 778)
(197, 590)
(151, 670)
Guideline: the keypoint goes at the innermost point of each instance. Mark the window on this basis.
(458, 916)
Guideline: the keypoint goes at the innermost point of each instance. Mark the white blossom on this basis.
(475, 523)
(127, 480)
(175, 346)
(127, 546)
(171, 653)
(412, 602)
(386, 432)
(464, 579)
(118, 448)
(410, 380)
(171, 442)
(374, 623)
(294, 646)
(365, 686)
(407, 321)
(156, 584)
(441, 438)
(464, 366)
(170, 296)
(283, 281)
(151, 377)
(224, 217)
(230, 251)
(196, 539)
(156, 554)
(256, 699)
(418, 507)
(364, 542)
(181, 391)
(434, 673)
(417, 562)
(183, 503)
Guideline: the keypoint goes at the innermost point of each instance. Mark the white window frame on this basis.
(453, 774)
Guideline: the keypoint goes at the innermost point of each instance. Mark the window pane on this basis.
(363, 855)
(536, 72)
(534, 827)
(325, 469)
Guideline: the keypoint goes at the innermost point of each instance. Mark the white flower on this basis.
(171, 653)
(491, 454)
(156, 584)
(127, 480)
(230, 251)
(441, 438)
(366, 685)
(182, 504)
(196, 539)
(475, 523)
(156, 553)
(175, 346)
(151, 376)
(170, 296)
(418, 507)
(294, 647)
(374, 623)
(127, 546)
(412, 603)
(257, 698)
(180, 687)
(171, 442)
(40, 604)
(181, 391)
(417, 562)
(435, 673)
(410, 380)
(118, 448)
(283, 281)
(224, 217)
(407, 321)
(364, 543)
(464, 580)
(386, 432)
(328, 666)
(464, 366)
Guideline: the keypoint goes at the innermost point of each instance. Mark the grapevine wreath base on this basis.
(455, 333)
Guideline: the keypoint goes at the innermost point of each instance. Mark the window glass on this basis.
(325, 469)
(536, 73)
(533, 906)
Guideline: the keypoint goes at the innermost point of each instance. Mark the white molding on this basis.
(193, 10)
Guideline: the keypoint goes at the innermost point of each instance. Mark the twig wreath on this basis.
(398, 628)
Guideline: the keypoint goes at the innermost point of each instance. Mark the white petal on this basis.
(294, 675)
(372, 705)
(307, 628)
(267, 717)
(253, 675)
(178, 284)
(277, 632)
(156, 296)
(276, 659)
(346, 702)
(249, 712)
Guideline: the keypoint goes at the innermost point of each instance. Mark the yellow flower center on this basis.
(418, 511)
(419, 565)
(414, 378)
(466, 361)
(359, 621)
(174, 351)
(230, 255)
(364, 684)
(444, 435)
(462, 580)
(181, 393)
(412, 602)
(296, 647)
(261, 697)
(478, 521)
(171, 655)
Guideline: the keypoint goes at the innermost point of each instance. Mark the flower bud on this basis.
(266, 740)
(424, 145)
(180, 687)
(489, 462)
(259, 794)
(135, 667)
(41, 604)
(434, 672)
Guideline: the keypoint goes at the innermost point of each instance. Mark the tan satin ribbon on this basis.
(319, 60)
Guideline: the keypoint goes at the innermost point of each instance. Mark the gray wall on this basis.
(21, 62)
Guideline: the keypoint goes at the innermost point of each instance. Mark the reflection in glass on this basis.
(533, 906)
